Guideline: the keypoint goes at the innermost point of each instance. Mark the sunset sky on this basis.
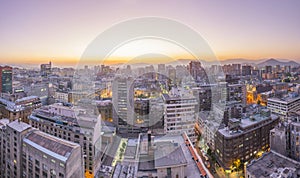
(34, 31)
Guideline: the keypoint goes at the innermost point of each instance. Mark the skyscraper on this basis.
(46, 69)
(123, 105)
(6, 79)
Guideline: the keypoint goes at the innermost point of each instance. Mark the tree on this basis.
(258, 102)
(209, 151)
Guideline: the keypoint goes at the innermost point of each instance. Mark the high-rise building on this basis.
(268, 69)
(123, 105)
(20, 108)
(5, 79)
(75, 124)
(161, 68)
(246, 70)
(49, 156)
(197, 71)
(179, 114)
(27, 152)
(285, 139)
(244, 138)
(284, 106)
(46, 69)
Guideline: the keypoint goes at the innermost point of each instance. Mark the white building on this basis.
(284, 106)
(179, 114)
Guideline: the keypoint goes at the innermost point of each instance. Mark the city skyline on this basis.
(35, 32)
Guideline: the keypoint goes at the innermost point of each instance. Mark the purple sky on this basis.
(36, 31)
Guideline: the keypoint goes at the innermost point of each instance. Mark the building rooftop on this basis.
(16, 106)
(246, 123)
(3, 122)
(19, 126)
(163, 157)
(65, 115)
(274, 165)
(56, 147)
(286, 99)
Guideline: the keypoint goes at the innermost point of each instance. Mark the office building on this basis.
(179, 113)
(246, 70)
(46, 69)
(27, 152)
(19, 108)
(244, 139)
(285, 138)
(44, 155)
(285, 105)
(197, 71)
(5, 79)
(75, 124)
(123, 105)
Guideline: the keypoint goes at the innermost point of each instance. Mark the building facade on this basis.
(5, 79)
(27, 152)
(77, 125)
(244, 139)
(179, 115)
(20, 108)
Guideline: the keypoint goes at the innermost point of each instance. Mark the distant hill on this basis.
(274, 62)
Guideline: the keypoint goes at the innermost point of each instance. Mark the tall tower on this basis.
(6, 79)
(123, 104)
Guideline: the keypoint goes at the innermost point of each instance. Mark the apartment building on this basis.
(75, 124)
(244, 139)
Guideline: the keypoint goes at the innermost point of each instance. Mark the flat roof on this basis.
(19, 126)
(273, 164)
(246, 122)
(50, 144)
(284, 100)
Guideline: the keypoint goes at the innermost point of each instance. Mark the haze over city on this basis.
(34, 31)
(149, 89)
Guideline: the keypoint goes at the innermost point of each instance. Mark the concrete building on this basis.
(197, 71)
(246, 70)
(285, 105)
(27, 152)
(44, 155)
(179, 114)
(203, 95)
(245, 138)
(105, 109)
(123, 106)
(75, 124)
(208, 126)
(272, 165)
(285, 139)
(46, 69)
(169, 156)
(278, 139)
(20, 108)
(61, 96)
(294, 140)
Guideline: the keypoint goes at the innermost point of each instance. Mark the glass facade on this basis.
(6, 81)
